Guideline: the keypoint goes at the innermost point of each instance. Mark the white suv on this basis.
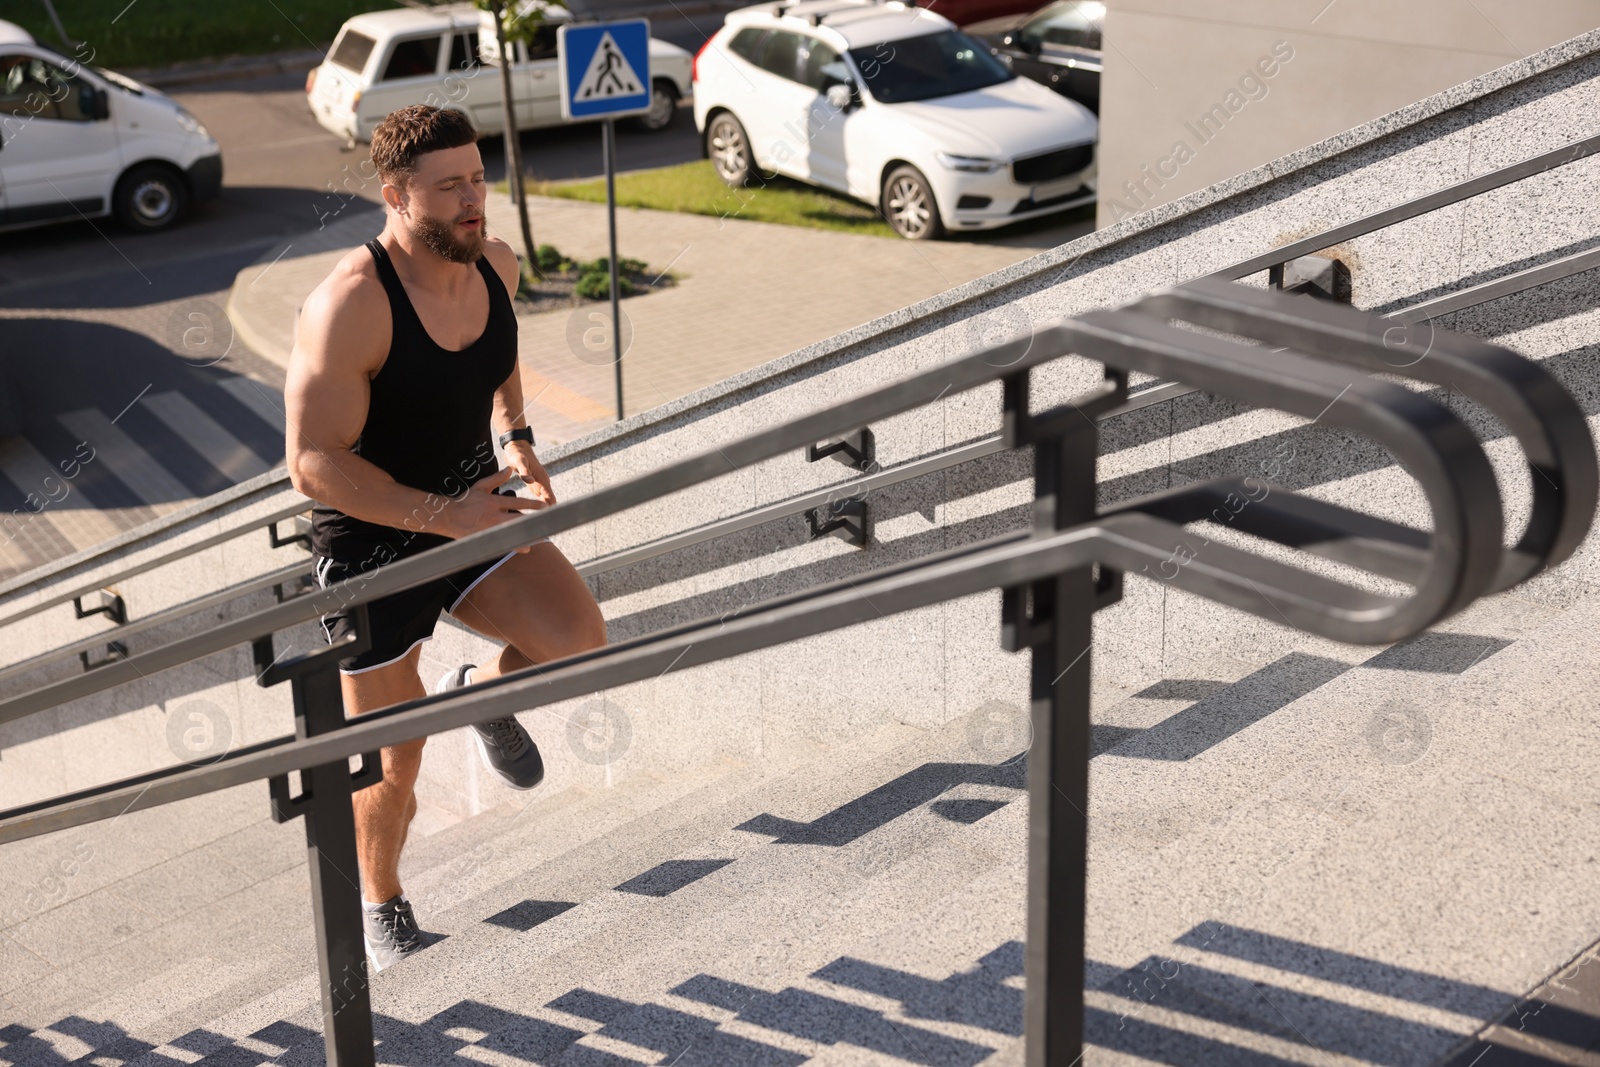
(893, 105)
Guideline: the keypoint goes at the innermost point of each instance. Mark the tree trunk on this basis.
(61, 30)
(519, 195)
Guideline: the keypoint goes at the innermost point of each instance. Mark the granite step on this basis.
(458, 849)
(232, 927)
(729, 903)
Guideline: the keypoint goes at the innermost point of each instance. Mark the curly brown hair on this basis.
(409, 132)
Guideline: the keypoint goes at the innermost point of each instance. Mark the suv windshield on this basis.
(933, 65)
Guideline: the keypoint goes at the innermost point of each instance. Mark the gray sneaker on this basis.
(505, 746)
(391, 932)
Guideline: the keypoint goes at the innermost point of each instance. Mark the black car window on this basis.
(352, 51)
(933, 65)
(412, 59)
(781, 54)
(464, 51)
(1068, 24)
(544, 41)
(819, 64)
(747, 42)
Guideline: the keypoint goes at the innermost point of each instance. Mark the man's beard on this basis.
(437, 237)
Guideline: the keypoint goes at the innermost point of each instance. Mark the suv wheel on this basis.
(908, 205)
(150, 197)
(663, 105)
(729, 149)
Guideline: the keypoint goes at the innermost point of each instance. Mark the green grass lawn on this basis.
(695, 188)
(149, 33)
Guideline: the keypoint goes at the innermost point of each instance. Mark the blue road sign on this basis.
(605, 68)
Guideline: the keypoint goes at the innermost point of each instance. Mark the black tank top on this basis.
(428, 418)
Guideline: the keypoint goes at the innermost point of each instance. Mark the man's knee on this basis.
(585, 629)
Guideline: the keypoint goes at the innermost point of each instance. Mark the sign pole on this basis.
(605, 72)
(609, 143)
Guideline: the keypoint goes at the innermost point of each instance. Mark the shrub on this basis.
(548, 258)
(596, 285)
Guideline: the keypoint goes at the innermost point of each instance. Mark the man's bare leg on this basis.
(538, 605)
(384, 811)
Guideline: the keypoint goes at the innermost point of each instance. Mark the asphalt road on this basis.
(283, 174)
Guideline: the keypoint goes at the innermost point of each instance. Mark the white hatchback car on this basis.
(383, 60)
(892, 105)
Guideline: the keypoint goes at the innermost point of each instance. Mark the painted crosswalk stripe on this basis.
(150, 481)
(267, 405)
(69, 508)
(205, 435)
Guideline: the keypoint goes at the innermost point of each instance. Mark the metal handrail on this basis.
(1547, 423)
(708, 531)
(1497, 288)
(196, 606)
(1410, 209)
(211, 540)
(1054, 579)
(959, 375)
(1470, 297)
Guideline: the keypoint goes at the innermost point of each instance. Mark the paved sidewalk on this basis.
(749, 293)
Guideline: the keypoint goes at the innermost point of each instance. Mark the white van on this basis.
(446, 56)
(80, 142)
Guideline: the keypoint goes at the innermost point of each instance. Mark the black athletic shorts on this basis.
(399, 621)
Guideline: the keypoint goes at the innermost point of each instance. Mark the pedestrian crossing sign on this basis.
(605, 68)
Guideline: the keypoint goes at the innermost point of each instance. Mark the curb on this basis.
(231, 69)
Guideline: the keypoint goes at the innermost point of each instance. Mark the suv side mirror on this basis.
(841, 96)
(1023, 43)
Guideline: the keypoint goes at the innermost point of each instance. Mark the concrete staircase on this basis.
(1301, 852)
(866, 905)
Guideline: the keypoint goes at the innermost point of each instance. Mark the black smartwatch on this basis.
(521, 433)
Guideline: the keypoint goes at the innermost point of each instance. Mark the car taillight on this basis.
(355, 100)
(694, 68)
(311, 80)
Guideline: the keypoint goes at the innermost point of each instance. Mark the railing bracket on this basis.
(111, 606)
(115, 650)
(1323, 277)
(286, 807)
(301, 535)
(854, 450)
(301, 585)
(846, 519)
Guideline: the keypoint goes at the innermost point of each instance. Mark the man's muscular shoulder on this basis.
(347, 317)
(503, 259)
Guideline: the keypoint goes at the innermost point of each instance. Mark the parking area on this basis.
(122, 344)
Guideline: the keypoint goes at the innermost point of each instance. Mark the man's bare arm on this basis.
(508, 413)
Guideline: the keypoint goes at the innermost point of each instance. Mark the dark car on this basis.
(1058, 46)
(966, 12)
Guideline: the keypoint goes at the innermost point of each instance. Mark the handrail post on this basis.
(1054, 618)
(325, 800)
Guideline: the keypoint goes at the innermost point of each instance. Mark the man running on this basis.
(403, 357)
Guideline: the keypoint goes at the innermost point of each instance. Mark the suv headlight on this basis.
(190, 124)
(970, 164)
